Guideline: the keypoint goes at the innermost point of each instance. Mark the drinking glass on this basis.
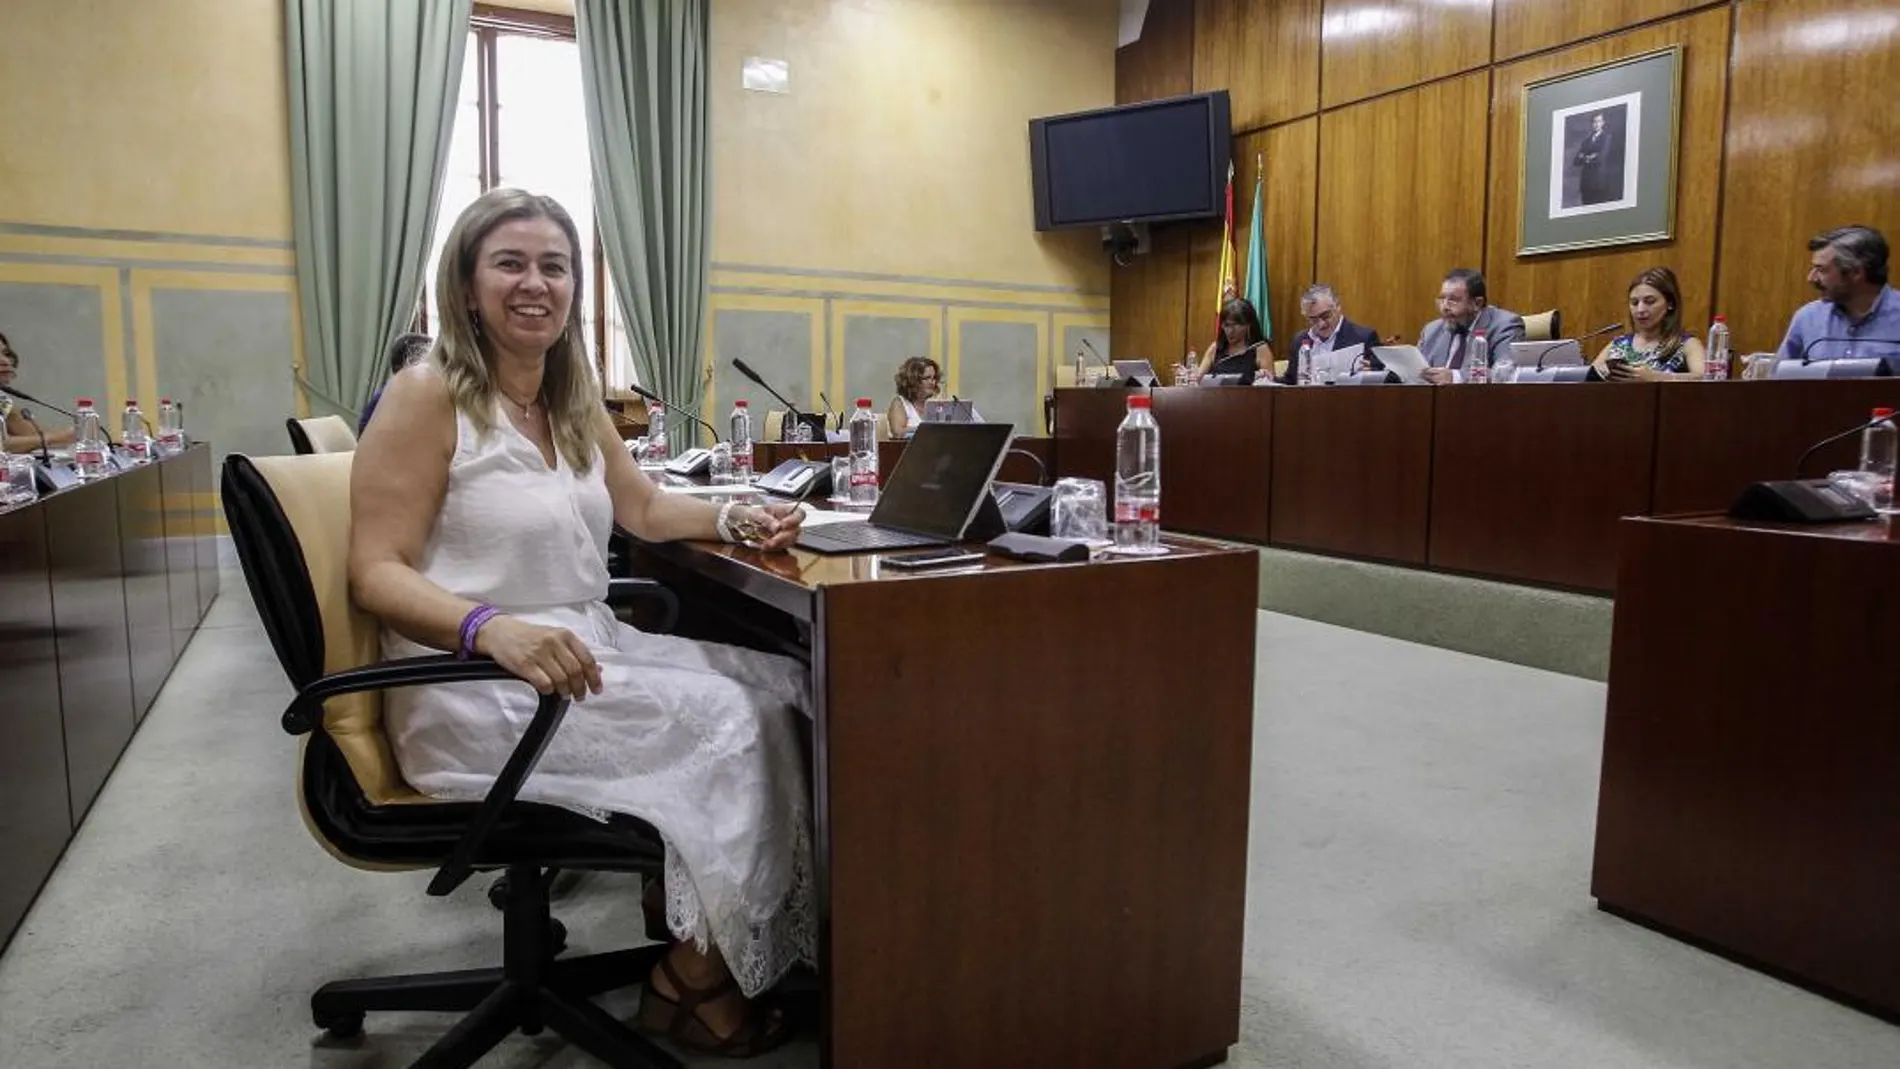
(840, 480)
(18, 486)
(722, 464)
(1079, 511)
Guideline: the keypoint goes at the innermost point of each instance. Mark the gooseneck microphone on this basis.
(1098, 356)
(1808, 349)
(28, 416)
(830, 413)
(668, 406)
(1831, 439)
(1597, 333)
(24, 396)
(797, 415)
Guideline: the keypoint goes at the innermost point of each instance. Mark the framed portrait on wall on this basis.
(1599, 163)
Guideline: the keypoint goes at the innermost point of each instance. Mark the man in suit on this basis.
(1462, 311)
(1599, 170)
(1328, 331)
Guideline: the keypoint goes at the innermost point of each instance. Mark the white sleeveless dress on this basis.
(694, 738)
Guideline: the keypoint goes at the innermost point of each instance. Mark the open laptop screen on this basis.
(941, 477)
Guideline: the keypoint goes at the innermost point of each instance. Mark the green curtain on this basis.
(373, 86)
(643, 67)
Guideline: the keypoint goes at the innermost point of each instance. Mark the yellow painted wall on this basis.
(159, 115)
(902, 147)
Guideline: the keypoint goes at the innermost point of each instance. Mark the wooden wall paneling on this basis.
(1525, 26)
(1148, 300)
(1161, 63)
(1811, 145)
(1291, 154)
(1262, 52)
(1402, 201)
(1590, 285)
(1377, 46)
(1202, 313)
(35, 813)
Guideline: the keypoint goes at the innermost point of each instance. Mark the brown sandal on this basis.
(677, 1019)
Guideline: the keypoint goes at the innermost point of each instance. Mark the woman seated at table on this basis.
(1656, 347)
(1241, 348)
(918, 382)
(482, 500)
(20, 433)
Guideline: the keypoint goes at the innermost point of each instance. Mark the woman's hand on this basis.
(552, 659)
(769, 527)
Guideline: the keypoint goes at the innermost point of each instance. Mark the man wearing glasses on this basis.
(1340, 346)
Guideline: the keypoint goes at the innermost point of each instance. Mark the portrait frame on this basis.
(1599, 155)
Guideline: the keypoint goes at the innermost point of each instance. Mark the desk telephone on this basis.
(798, 479)
(694, 461)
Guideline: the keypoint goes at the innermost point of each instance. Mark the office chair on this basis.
(1544, 326)
(289, 517)
(323, 434)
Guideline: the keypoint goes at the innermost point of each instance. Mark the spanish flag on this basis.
(1228, 288)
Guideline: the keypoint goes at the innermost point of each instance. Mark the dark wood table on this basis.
(1086, 419)
(1025, 857)
(1216, 446)
(1751, 753)
(1715, 438)
(1352, 471)
(100, 588)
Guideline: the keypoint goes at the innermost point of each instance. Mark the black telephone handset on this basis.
(798, 479)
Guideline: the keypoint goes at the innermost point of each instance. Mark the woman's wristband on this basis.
(722, 524)
(472, 624)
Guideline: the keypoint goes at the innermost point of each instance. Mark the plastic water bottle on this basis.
(1304, 370)
(1878, 445)
(741, 443)
(89, 442)
(864, 455)
(133, 440)
(171, 428)
(1138, 480)
(1715, 361)
(1477, 359)
(656, 433)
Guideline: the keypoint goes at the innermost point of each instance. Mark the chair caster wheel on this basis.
(498, 893)
(557, 936)
(340, 1025)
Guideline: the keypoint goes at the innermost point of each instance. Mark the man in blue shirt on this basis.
(405, 350)
(1858, 315)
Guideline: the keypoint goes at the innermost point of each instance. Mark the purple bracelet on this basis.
(472, 623)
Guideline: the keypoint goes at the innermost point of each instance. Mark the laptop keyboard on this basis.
(847, 537)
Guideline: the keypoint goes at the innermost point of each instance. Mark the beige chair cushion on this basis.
(329, 434)
(1539, 327)
(314, 492)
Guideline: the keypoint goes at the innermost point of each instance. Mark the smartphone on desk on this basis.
(934, 558)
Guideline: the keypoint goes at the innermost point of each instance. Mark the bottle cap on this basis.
(131, 402)
(83, 402)
(164, 400)
(1721, 319)
(1883, 413)
(738, 404)
(864, 402)
(1140, 400)
(1477, 333)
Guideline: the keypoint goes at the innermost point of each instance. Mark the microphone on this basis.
(1809, 347)
(46, 455)
(1098, 356)
(668, 406)
(1600, 331)
(24, 396)
(1830, 440)
(746, 370)
(829, 413)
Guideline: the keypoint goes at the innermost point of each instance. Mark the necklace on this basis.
(526, 407)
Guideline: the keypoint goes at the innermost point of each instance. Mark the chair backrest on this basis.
(322, 434)
(290, 520)
(1544, 326)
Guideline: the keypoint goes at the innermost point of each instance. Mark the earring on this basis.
(475, 322)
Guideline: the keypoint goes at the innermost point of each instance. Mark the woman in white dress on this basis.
(483, 497)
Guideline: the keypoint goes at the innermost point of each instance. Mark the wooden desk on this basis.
(99, 591)
(1026, 856)
(1751, 750)
(1215, 460)
(1086, 419)
(1715, 438)
(1352, 471)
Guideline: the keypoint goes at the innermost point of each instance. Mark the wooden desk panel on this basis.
(147, 595)
(181, 556)
(35, 812)
(1715, 438)
(1352, 471)
(1528, 482)
(1086, 418)
(204, 526)
(1215, 469)
(95, 674)
(1749, 801)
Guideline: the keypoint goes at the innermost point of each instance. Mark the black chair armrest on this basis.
(627, 591)
(306, 709)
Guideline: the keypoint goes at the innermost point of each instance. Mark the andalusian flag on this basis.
(1227, 288)
(1256, 290)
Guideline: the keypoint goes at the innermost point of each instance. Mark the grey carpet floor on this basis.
(1418, 898)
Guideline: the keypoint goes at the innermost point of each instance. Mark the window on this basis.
(521, 121)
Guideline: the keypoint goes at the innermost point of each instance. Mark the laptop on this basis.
(952, 411)
(1136, 372)
(934, 496)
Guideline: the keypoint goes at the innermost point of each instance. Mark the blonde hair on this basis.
(569, 391)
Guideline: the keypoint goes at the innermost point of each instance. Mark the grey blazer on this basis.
(1500, 327)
